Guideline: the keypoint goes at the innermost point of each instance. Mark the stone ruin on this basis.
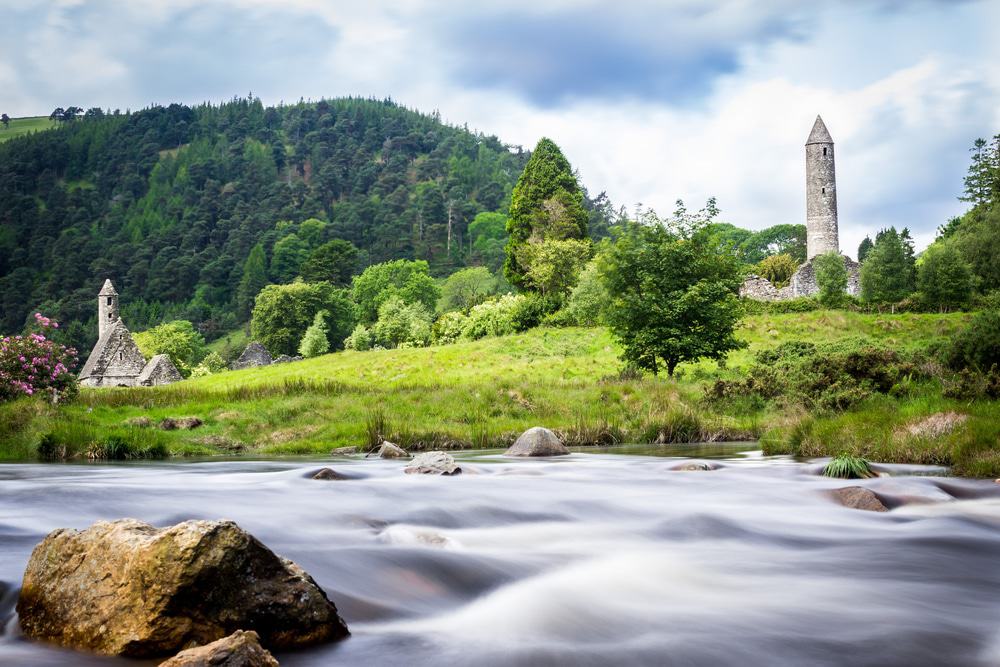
(822, 234)
(116, 360)
(255, 354)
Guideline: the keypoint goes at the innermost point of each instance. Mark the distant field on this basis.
(21, 126)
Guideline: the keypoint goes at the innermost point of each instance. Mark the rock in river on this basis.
(433, 463)
(389, 450)
(240, 649)
(126, 588)
(859, 498)
(327, 474)
(537, 441)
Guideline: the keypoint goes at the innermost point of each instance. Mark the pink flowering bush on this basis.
(33, 365)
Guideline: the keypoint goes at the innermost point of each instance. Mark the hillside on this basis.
(170, 201)
(482, 393)
(22, 126)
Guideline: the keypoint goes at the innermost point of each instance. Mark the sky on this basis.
(652, 101)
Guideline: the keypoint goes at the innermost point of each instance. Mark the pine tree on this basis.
(547, 204)
(978, 180)
(865, 248)
(253, 281)
(887, 274)
(314, 341)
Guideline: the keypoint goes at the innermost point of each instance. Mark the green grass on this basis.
(483, 393)
(22, 126)
(845, 466)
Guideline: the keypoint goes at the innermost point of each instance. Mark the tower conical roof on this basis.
(819, 134)
(108, 289)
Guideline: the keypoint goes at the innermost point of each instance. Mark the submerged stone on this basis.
(328, 474)
(126, 588)
(537, 441)
(859, 498)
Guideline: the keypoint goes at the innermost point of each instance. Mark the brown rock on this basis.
(329, 474)
(537, 441)
(126, 588)
(240, 649)
(433, 463)
(859, 498)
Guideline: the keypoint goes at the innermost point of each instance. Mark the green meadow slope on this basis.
(481, 394)
(22, 126)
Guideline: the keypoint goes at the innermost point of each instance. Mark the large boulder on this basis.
(255, 354)
(240, 649)
(433, 463)
(859, 498)
(126, 588)
(537, 441)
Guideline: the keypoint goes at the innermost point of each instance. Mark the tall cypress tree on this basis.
(546, 204)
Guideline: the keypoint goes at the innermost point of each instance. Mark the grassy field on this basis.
(483, 393)
(21, 126)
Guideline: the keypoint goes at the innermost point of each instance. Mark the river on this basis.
(598, 558)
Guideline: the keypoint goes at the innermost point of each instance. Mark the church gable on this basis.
(115, 359)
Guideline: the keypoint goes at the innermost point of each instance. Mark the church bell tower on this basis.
(821, 193)
(107, 308)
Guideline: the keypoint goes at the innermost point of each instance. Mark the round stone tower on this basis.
(821, 193)
(107, 308)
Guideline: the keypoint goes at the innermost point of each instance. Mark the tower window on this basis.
(824, 190)
(109, 316)
(109, 300)
(121, 356)
(824, 155)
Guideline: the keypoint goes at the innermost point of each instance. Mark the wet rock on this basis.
(537, 441)
(185, 423)
(255, 354)
(240, 649)
(696, 465)
(328, 474)
(859, 498)
(433, 463)
(344, 451)
(389, 450)
(126, 588)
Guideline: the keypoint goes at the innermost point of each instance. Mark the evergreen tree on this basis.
(865, 248)
(978, 181)
(314, 341)
(887, 274)
(547, 203)
(944, 278)
(253, 281)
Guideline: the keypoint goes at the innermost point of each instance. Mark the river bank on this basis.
(584, 559)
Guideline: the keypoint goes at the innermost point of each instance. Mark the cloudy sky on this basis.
(651, 101)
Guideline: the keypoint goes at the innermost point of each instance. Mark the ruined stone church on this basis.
(116, 360)
(822, 235)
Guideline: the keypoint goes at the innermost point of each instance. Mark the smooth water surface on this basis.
(588, 559)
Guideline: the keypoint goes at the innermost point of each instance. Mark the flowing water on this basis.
(607, 558)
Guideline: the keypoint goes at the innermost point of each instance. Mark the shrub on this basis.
(977, 346)
(466, 288)
(501, 316)
(179, 340)
(33, 364)
(361, 339)
(831, 278)
(777, 269)
(587, 301)
(449, 328)
(314, 341)
(211, 364)
(402, 324)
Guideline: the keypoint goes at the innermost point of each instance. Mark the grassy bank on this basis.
(22, 126)
(483, 393)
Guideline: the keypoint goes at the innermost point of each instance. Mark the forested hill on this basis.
(169, 202)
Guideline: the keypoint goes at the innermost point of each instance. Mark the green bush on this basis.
(977, 347)
(361, 339)
(586, 303)
(449, 327)
(402, 324)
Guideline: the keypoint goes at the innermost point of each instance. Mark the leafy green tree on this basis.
(887, 274)
(282, 313)
(212, 363)
(553, 266)
(944, 278)
(333, 262)
(314, 341)
(864, 248)
(831, 279)
(977, 237)
(778, 269)
(178, 339)
(588, 301)
(287, 258)
(5, 119)
(253, 281)
(673, 296)
(466, 288)
(488, 235)
(409, 280)
(977, 346)
(547, 203)
(311, 232)
(402, 324)
(776, 240)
